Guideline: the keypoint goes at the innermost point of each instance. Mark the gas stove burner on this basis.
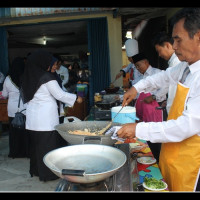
(90, 185)
(108, 185)
(98, 186)
(105, 185)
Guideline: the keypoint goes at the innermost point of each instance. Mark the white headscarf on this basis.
(131, 47)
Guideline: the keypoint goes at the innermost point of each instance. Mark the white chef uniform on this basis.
(131, 46)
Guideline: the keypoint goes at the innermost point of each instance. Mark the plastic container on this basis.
(126, 115)
(82, 90)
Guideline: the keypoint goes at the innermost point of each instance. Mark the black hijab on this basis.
(35, 73)
(16, 70)
(55, 73)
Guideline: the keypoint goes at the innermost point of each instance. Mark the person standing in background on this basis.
(131, 46)
(2, 78)
(18, 139)
(40, 91)
(62, 72)
(147, 102)
(163, 45)
(73, 77)
(53, 67)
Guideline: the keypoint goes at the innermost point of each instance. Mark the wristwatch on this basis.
(153, 97)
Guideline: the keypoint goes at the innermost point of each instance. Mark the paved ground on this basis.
(14, 173)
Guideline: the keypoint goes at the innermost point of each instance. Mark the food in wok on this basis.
(83, 132)
(88, 131)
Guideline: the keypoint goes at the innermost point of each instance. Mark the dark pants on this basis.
(198, 185)
(42, 142)
(155, 149)
(19, 144)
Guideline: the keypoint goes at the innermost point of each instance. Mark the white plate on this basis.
(148, 188)
(146, 160)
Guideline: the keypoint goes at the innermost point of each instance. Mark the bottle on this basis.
(97, 97)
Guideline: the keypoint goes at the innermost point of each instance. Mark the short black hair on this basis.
(192, 20)
(138, 57)
(162, 37)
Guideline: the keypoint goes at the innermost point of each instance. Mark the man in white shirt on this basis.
(147, 102)
(180, 134)
(142, 64)
(163, 45)
(62, 72)
(131, 49)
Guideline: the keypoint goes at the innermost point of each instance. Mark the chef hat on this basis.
(131, 47)
(138, 57)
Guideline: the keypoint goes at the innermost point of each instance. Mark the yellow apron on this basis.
(180, 161)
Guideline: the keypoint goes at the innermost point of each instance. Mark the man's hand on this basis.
(164, 104)
(129, 96)
(127, 131)
(119, 75)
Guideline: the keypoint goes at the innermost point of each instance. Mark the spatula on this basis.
(109, 125)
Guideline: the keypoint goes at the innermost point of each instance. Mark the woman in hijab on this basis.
(40, 91)
(18, 139)
(53, 68)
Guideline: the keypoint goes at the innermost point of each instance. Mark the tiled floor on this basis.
(14, 173)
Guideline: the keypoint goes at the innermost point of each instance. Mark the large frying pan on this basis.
(85, 163)
(79, 139)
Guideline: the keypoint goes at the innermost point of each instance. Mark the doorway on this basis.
(67, 38)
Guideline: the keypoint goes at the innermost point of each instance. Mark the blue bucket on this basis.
(126, 115)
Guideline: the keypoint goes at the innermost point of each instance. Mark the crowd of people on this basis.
(38, 83)
(176, 90)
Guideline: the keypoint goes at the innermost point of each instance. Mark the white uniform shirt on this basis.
(11, 92)
(42, 110)
(136, 74)
(184, 126)
(64, 75)
(173, 61)
(159, 93)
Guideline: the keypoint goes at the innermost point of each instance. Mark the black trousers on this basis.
(198, 184)
(19, 143)
(155, 149)
(41, 142)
